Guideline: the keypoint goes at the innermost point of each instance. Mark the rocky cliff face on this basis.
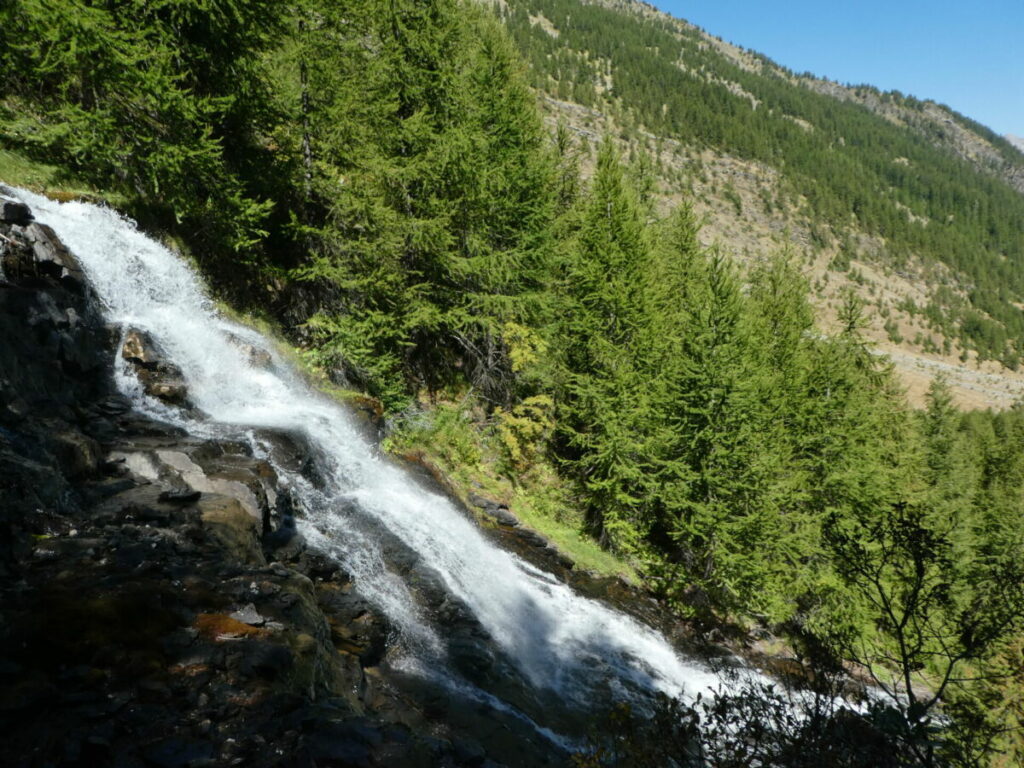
(157, 607)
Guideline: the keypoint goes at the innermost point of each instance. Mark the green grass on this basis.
(20, 171)
(50, 180)
(544, 508)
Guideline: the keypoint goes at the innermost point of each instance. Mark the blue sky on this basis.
(969, 55)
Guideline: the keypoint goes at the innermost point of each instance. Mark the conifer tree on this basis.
(952, 475)
(163, 102)
(606, 402)
(436, 189)
(716, 514)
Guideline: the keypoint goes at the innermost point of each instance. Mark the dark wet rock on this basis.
(257, 357)
(141, 349)
(472, 656)
(32, 253)
(180, 495)
(343, 743)
(263, 659)
(170, 388)
(531, 538)
(502, 516)
(469, 752)
(285, 542)
(114, 404)
(290, 551)
(494, 510)
(320, 567)
(107, 487)
(160, 378)
(52, 258)
(14, 212)
(561, 560)
(135, 503)
(235, 529)
(354, 627)
(178, 753)
(292, 453)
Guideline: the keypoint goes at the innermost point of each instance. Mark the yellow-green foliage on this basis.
(523, 430)
(471, 454)
(444, 434)
(525, 346)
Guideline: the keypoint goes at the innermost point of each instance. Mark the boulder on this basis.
(498, 512)
(52, 256)
(14, 212)
(291, 451)
(249, 480)
(531, 538)
(15, 257)
(233, 527)
(160, 378)
(35, 251)
(79, 454)
(141, 349)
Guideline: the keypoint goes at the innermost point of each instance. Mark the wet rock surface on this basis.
(158, 606)
(160, 378)
(14, 212)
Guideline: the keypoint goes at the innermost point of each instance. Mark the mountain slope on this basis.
(916, 208)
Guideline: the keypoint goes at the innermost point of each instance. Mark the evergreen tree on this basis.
(718, 516)
(605, 410)
(162, 101)
(436, 190)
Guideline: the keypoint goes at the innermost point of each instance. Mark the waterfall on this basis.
(565, 646)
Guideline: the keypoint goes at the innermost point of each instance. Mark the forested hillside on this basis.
(927, 185)
(376, 178)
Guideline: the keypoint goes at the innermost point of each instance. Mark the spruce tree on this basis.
(716, 513)
(605, 406)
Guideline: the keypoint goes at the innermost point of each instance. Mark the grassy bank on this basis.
(20, 171)
(457, 439)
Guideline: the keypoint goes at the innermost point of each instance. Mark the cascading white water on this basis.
(557, 639)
